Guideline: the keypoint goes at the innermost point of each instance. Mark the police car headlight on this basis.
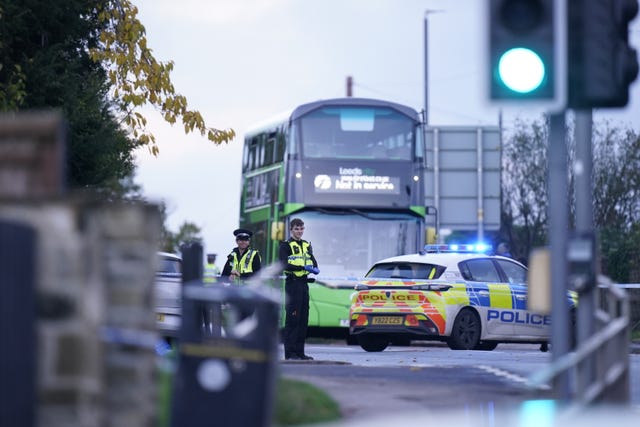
(361, 287)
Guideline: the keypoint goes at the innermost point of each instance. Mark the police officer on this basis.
(296, 255)
(243, 261)
(211, 270)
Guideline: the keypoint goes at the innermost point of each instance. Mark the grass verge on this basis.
(300, 403)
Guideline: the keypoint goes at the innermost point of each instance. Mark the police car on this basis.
(453, 293)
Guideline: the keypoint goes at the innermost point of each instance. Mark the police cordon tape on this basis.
(624, 285)
(394, 279)
(132, 337)
(366, 279)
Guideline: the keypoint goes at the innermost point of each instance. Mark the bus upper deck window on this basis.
(361, 119)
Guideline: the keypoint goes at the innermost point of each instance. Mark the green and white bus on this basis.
(352, 169)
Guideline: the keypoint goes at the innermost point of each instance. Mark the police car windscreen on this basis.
(406, 271)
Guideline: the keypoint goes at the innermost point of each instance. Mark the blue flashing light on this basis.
(460, 248)
(482, 247)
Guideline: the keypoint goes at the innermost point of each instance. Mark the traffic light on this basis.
(527, 52)
(602, 65)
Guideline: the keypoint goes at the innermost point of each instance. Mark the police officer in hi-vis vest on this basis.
(211, 270)
(243, 261)
(296, 256)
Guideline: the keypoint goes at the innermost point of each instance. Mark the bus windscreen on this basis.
(357, 133)
(346, 245)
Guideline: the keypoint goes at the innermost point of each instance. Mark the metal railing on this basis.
(599, 367)
(633, 292)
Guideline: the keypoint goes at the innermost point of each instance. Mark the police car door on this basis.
(526, 323)
(493, 296)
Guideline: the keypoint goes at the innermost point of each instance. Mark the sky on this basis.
(240, 62)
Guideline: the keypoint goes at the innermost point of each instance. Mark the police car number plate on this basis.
(387, 320)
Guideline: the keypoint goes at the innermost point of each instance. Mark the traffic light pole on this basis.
(558, 230)
(585, 227)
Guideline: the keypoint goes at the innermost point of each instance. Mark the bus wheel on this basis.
(372, 343)
(465, 334)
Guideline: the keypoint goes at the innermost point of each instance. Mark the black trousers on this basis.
(297, 315)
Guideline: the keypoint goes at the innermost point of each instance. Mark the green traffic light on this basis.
(521, 70)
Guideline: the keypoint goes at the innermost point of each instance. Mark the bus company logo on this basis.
(322, 182)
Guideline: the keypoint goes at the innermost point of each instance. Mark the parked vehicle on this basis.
(168, 294)
(470, 300)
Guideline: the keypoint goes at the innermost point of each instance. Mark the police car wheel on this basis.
(486, 345)
(373, 343)
(465, 334)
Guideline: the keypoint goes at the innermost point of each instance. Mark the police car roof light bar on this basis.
(466, 248)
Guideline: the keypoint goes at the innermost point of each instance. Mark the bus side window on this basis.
(269, 148)
(260, 161)
(292, 141)
(280, 147)
(245, 158)
(251, 154)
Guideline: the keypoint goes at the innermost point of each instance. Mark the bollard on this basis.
(226, 376)
(192, 268)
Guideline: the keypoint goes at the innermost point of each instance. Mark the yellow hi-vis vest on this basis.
(245, 263)
(299, 256)
(211, 271)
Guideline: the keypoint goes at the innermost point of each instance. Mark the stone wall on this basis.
(93, 278)
(96, 330)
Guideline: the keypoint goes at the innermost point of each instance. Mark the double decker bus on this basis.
(352, 170)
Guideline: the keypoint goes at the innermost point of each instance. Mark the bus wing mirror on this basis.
(277, 230)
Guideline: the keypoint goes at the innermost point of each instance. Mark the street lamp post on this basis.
(426, 63)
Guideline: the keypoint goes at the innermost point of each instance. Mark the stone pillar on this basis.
(93, 272)
(124, 239)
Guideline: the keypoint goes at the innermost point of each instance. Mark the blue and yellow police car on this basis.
(454, 293)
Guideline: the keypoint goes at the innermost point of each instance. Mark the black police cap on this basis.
(242, 233)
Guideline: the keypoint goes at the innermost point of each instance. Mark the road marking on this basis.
(510, 376)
